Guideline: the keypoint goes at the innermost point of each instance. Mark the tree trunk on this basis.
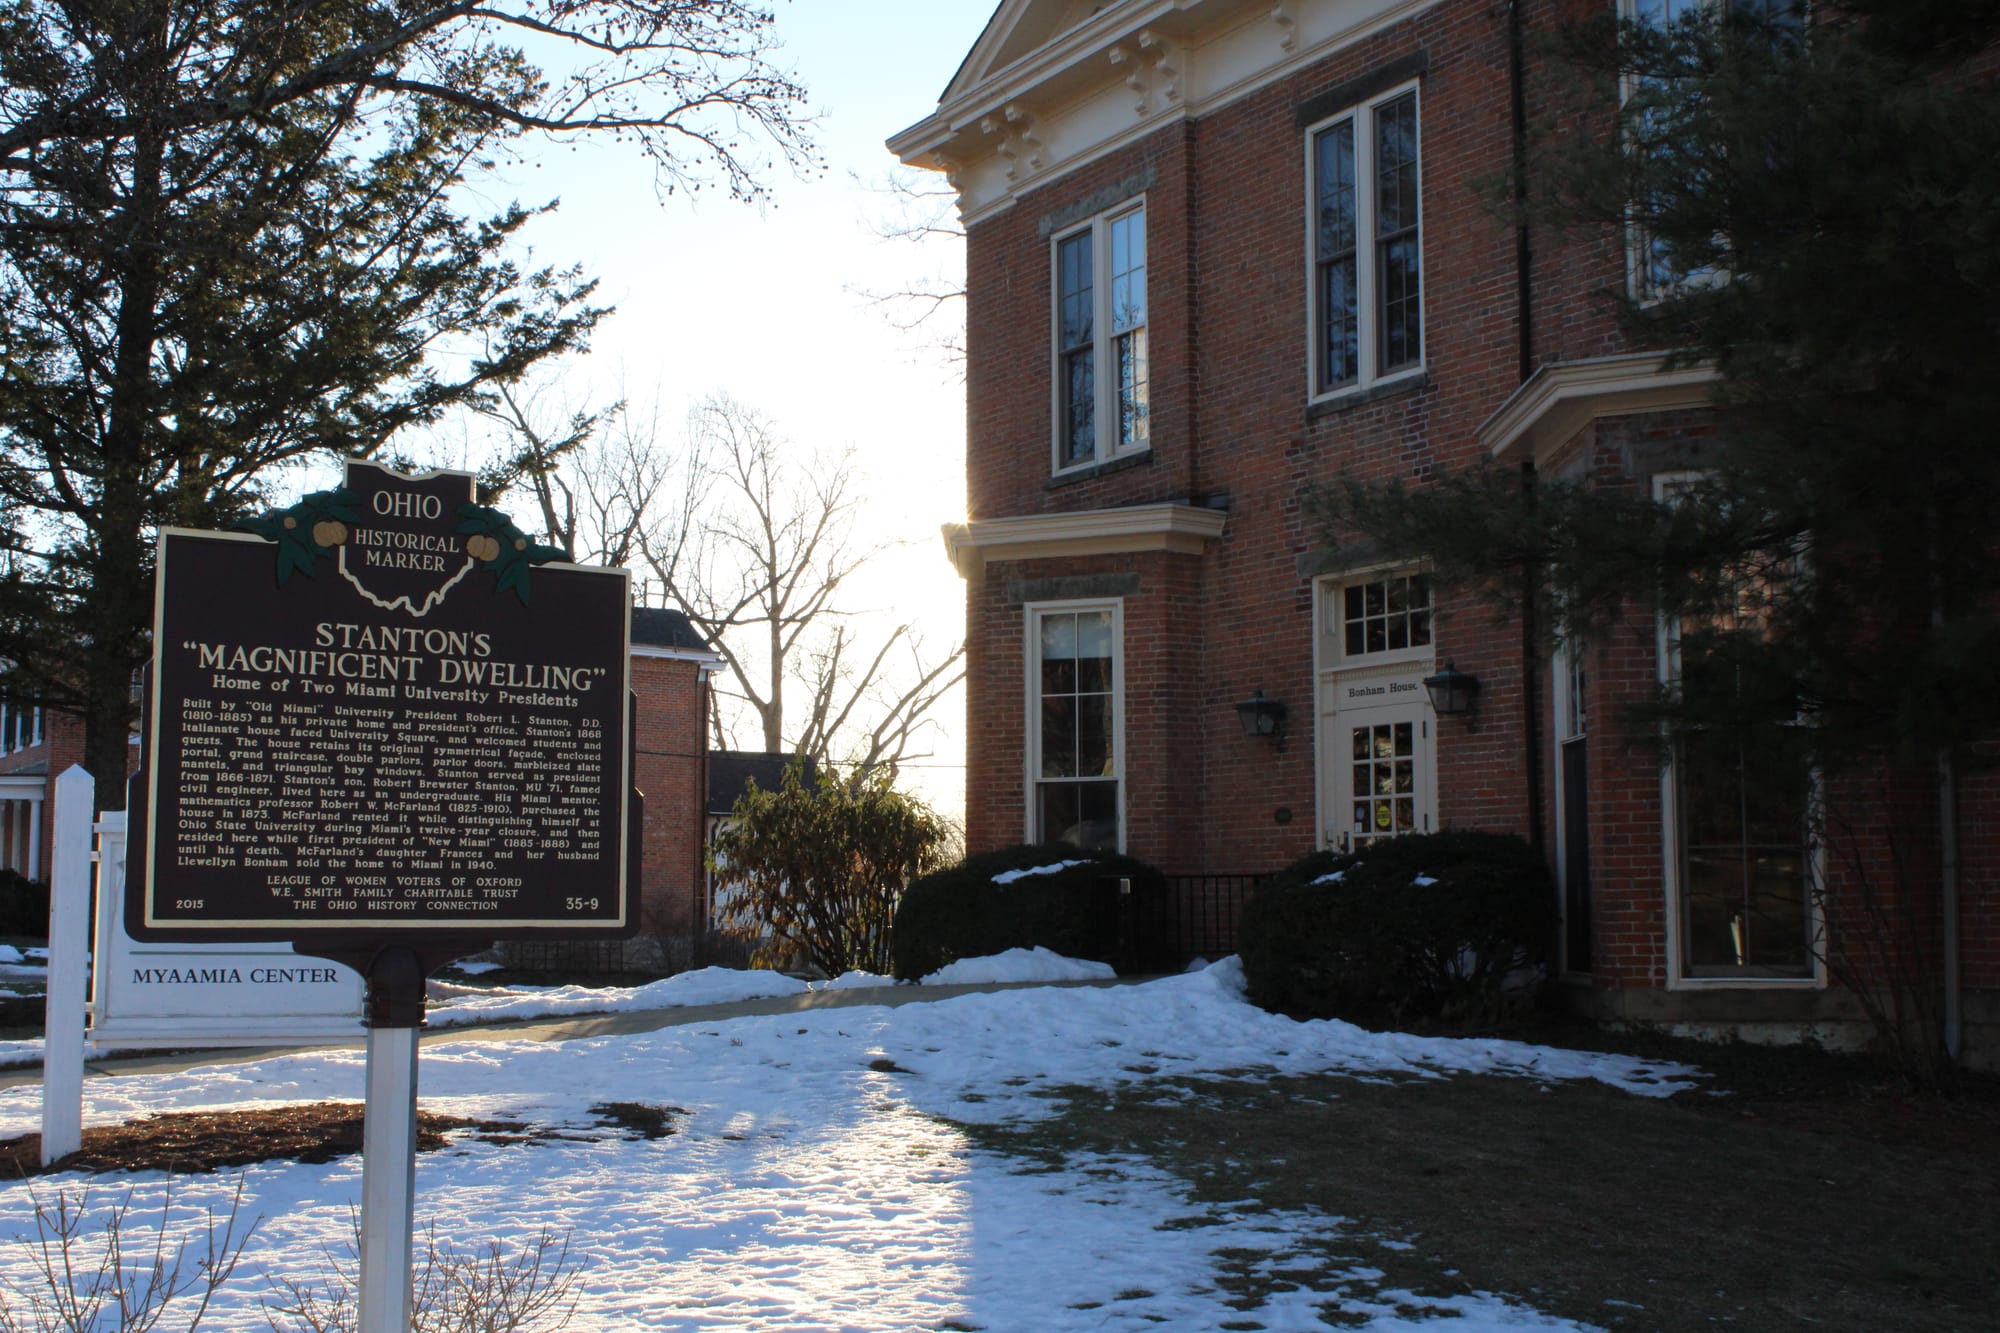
(121, 609)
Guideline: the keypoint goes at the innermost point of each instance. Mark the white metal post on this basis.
(388, 1180)
(389, 1139)
(69, 965)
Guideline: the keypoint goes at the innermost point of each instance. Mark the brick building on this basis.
(1218, 250)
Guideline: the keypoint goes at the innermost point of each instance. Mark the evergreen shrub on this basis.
(1433, 926)
(959, 912)
(24, 906)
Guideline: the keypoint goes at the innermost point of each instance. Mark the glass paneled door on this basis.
(1377, 756)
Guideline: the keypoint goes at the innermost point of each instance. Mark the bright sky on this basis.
(768, 306)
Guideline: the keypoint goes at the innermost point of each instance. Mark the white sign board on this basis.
(208, 994)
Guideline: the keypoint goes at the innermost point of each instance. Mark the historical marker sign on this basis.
(389, 712)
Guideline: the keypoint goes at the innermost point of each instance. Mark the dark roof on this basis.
(730, 772)
(659, 627)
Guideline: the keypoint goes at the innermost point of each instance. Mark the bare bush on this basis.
(119, 1278)
(484, 1289)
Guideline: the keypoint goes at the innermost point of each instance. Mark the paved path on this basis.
(567, 1028)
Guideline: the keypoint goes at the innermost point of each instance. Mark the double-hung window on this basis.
(1074, 759)
(1366, 244)
(1739, 803)
(1655, 107)
(20, 726)
(1101, 375)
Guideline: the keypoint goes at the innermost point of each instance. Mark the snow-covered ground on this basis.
(818, 1179)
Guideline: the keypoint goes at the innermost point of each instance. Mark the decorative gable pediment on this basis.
(1051, 84)
(1018, 29)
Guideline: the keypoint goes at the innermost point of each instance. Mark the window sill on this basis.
(1340, 402)
(1746, 983)
(1094, 470)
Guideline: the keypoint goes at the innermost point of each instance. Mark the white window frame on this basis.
(1667, 660)
(1330, 614)
(9, 713)
(1569, 720)
(1368, 373)
(1106, 444)
(1031, 622)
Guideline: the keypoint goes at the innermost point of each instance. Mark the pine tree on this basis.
(1818, 207)
(232, 239)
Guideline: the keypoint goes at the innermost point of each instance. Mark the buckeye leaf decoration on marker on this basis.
(308, 530)
(492, 539)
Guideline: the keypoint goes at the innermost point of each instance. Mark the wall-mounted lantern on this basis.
(1260, 716)
(1453, 691)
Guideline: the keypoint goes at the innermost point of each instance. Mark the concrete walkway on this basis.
(565, 1029)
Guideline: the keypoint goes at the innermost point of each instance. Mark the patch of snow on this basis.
(1331, 877)
(709, 985)
(475, 968)
(1036, 964)
(822, 1178)
(1007, 877)
(855, 980)
(1423, 881)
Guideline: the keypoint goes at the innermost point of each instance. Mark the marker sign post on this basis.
(385, 726)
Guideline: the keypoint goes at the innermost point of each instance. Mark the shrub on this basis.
(961, 913)
(24, 906)
(818, 870)
(1427, 926)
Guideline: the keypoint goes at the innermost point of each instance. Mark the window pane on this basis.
(1075, 291)
(1093, 634)
(1401, 305)
(1056, 811)
(1093, 652)
(1083, 814)
(1334, 189)
(1059, 737)
(1398, 262)
(1079, 407)
(1396, 166)
(1093, 736)
(1097, 815)
(1133, 412)
(1340, 323)
(1058, 636)
(1128, 272)
(1337, 221)
(1076, 728)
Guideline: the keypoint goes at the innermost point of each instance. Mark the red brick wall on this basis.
(1227, 326)
(1227, 275)
(671, 772)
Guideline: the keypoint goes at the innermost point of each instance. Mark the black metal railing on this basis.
(1202, 911)
(1163, 926)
